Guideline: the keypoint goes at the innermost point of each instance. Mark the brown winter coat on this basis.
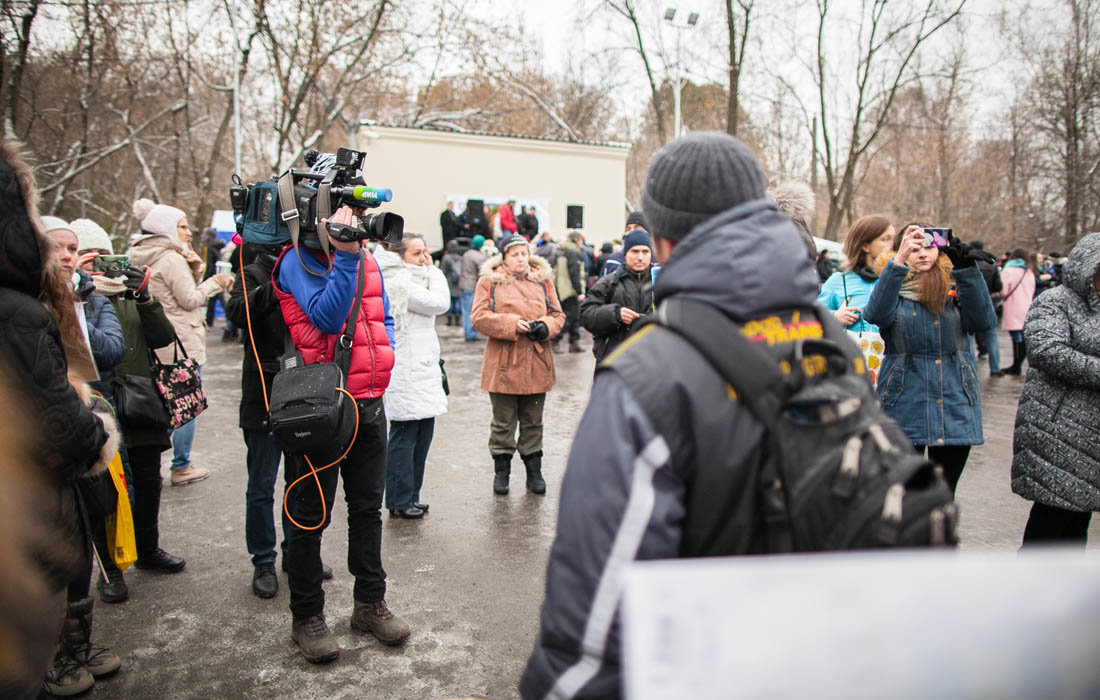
(175, 284)
(513, 364)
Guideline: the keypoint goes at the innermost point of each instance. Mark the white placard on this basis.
(909, 625)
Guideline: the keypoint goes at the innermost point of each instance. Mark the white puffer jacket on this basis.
(417, 295)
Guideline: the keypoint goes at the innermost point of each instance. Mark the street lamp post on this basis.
(689, 24)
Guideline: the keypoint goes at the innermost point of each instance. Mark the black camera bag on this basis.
(307, 412)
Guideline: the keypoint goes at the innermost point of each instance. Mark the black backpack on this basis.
(837, 473)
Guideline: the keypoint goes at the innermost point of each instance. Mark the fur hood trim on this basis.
(494, 269)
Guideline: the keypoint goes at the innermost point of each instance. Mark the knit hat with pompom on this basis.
(157, 218)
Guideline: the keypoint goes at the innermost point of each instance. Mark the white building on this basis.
(426, 168)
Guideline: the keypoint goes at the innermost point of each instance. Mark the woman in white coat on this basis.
(418, 292)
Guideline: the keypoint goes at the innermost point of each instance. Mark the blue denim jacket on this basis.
(929, 382)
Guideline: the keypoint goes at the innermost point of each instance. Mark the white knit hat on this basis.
(91, 236)
(53, 223)
(157, 218)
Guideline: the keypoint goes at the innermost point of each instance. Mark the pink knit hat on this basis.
(157, 218)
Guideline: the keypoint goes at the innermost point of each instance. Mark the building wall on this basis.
(424, 168)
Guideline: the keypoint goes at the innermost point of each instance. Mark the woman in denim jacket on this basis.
(929, 382)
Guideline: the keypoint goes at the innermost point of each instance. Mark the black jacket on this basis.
(268, 330)
(601, 306)
(448, 222)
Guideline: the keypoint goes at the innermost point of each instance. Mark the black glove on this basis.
(136, 286)
(961, 255)
(539, 331)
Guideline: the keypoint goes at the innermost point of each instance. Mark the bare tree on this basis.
(627, 10)
(886, 45)
(19, 16)
(738, 42)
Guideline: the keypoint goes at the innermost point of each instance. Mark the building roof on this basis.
(446, 127)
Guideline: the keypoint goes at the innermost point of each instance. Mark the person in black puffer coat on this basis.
(37, 326)
(620, 298)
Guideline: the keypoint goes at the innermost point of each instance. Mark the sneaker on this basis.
(314, 639)
(265, 584)
(188, 475)
(377, 619)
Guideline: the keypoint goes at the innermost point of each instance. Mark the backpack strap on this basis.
(291, 218)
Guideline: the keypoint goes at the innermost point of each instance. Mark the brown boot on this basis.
(100, 661)
(377, 619)
(555, 346)
(314, 639)
(66, 677)
(575, 347)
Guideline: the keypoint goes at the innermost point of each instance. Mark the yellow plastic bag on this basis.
(120, 524)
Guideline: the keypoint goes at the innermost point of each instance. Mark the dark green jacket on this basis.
(144, 326)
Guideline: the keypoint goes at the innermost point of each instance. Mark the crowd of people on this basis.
(79, 336)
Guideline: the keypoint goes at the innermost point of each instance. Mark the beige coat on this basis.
(175, 283)
(513, 364)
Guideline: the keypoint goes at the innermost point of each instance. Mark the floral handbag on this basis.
(179, 385)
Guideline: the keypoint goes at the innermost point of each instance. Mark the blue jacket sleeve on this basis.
(620, 501)
(104, 332)
(326, 300)
(883, 304)
(831, 297)
(975, 304)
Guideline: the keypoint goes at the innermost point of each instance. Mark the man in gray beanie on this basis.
(722, 243)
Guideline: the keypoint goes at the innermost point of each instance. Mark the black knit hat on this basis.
(697, 177)
(636, 218)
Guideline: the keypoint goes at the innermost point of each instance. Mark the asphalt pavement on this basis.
(468, 577)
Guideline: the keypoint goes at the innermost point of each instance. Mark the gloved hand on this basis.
(136, 280)
(539, 331)
(961, 255)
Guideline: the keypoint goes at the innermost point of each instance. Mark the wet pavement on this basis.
(468, 577)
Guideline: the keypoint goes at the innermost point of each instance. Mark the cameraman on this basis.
(315, 306)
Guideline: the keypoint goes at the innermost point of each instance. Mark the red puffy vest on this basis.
(371, 355)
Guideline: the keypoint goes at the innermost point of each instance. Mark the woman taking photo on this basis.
(1055, 462)
(929, 382)
(1017, 291)
(846, 291)
(516, 306)
(164, 247)
(418, 292)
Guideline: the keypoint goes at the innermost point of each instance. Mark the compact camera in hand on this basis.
(538, 331)
(111, 265)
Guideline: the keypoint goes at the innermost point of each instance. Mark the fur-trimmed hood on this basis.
(494, 269)
(21, 239)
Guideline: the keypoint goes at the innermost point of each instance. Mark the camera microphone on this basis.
(371, 196)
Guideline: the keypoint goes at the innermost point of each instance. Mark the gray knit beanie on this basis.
(696, 177)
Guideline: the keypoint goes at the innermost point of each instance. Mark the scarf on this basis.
(910, 286)
(108, 287)
(1015, 262)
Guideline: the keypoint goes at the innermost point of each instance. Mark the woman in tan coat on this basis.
(164, 247)
(516, 306)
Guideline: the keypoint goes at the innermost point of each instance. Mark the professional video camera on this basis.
(289, 209)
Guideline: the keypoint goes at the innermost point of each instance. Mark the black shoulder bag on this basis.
(309, 410)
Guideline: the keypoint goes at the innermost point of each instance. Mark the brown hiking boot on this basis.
(314, 639)
(377, 619)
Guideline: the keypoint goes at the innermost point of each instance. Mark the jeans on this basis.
(182, 438)
(466, 298)
(405, 459)
(456, 307)
(262, 460)
(993, 347)
(364, 472)
(1017, 336)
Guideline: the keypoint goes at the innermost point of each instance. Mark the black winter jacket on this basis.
(268, 330)
(601, 306)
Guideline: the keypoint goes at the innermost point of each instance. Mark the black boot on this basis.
(112, 585)
(147, 530)
(535, 483)
(502, 465)
(1017, 359)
